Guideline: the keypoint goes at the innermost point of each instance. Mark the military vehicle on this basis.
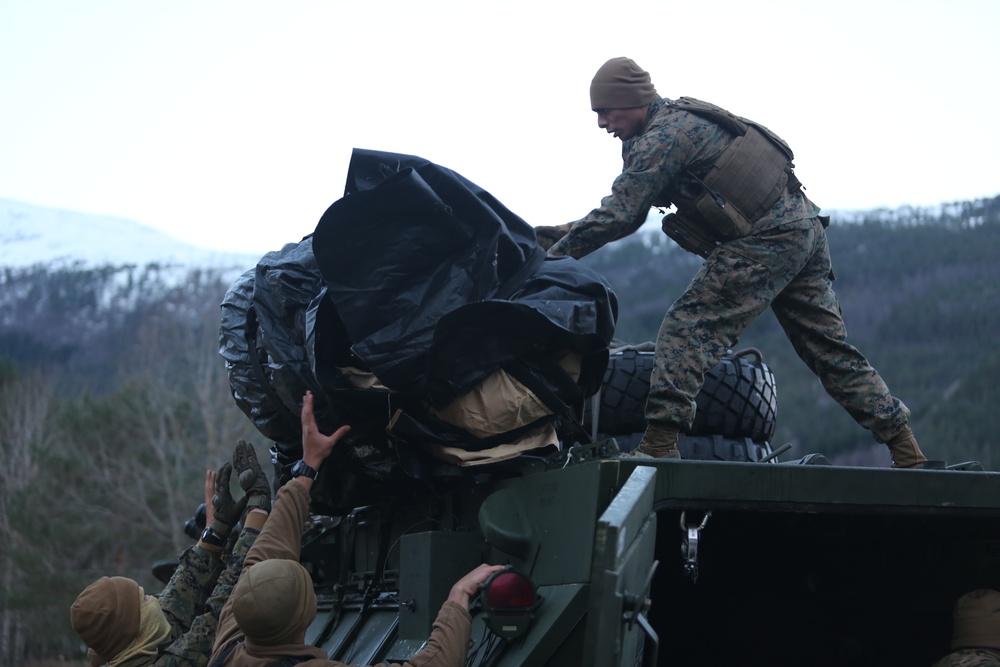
(630, 561)
(739, 553)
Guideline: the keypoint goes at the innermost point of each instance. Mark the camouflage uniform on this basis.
(970, 657)
(193, 613)
(784, 263)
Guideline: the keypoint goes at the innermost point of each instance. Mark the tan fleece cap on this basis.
(274, 601)
(621, 84)
(977, 620)
(106, 615)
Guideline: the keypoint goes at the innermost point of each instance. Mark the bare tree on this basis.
(24, 432)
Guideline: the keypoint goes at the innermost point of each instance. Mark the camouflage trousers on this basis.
(788, 268)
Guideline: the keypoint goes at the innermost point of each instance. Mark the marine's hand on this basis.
(468, 586)
(251, 476)
(316, 447)
(227, 510)
(548, 235)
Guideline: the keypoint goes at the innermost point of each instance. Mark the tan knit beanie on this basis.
(977, 620)
(274, 601)
(106, 615)
(621, 84)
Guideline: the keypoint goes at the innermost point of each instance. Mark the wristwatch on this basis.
(212, 538)
(300, 469)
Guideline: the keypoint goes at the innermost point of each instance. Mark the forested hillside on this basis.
(113, 403)
(114, 400)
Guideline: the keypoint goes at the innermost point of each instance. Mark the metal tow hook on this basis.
(689, 546)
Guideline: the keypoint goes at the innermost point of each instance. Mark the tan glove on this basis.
(251, 476)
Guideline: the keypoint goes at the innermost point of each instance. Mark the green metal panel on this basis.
(362, 633)
(624, 547)
(429, 565)
(822, 488)
(561, 610)
(320, 624)
(375, 635)
(561, 506)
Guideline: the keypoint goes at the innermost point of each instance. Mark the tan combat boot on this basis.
(904, 450)
(660, 442)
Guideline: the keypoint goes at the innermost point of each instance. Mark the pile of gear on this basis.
(424, 313)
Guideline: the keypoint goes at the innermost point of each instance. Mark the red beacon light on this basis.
(508, 601)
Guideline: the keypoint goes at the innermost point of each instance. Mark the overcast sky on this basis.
(230, 124)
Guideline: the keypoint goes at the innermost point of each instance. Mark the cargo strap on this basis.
(739, 189)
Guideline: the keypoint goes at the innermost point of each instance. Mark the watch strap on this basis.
(213, 539)
(302, 469)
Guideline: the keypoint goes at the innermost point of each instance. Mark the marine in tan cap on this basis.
(266, 617)
(122, 626)
(738, 203)
(975, 634)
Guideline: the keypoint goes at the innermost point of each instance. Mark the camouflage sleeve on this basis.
(185, 594)
(193, 648)
(652, 163)
(232, 572)
(970, 657)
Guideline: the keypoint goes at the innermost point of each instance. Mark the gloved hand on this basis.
(227, 510)
(548, 236)
(251, 476)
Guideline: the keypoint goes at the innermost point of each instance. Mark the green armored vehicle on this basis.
(636, 561)
(489, 404)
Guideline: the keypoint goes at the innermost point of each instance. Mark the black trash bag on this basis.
(279, 337)
(414, 244)
(424, 279)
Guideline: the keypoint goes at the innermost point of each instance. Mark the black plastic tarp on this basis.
(421, 277)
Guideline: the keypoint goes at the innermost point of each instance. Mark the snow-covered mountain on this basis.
(76, 290)
(33, 236)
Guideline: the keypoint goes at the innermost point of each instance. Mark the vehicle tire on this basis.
(623, 392)
(738, 399)
(721, 448)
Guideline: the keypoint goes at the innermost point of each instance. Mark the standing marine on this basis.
(740, 206)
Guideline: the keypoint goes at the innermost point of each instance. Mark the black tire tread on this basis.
(738, 399)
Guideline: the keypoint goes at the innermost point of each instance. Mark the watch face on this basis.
(208, 536)
(300, 469)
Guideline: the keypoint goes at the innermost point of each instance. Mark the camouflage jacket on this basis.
(657, 171)
(193, 647)
(970, 657)
(185, 594)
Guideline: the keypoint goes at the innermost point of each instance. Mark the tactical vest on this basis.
(743, 184)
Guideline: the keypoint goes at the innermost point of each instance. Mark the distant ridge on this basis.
(36, 236)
